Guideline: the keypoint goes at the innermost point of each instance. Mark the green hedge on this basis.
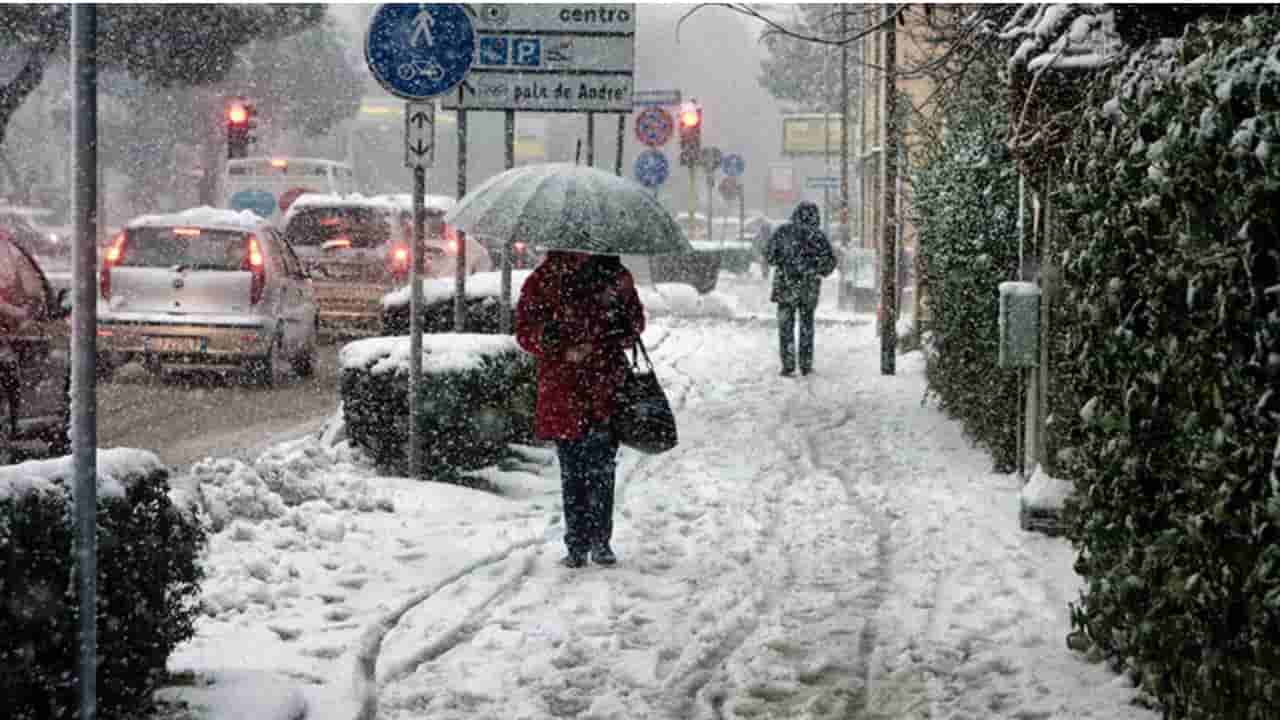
(1169, 366)
(437, 317)
(469, 415)
(965, 202)
(148, 584)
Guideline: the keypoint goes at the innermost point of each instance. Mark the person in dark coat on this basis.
(802, 255)
(578, 314)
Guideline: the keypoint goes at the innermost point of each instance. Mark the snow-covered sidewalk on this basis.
(820, 547)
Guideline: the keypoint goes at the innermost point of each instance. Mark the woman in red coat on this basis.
(578, 314)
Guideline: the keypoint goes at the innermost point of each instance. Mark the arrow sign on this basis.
(419, 134)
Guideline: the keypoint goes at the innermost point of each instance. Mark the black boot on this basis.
(574, 560)
(603, 555)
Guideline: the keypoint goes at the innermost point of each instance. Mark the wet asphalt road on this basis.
(186, 416)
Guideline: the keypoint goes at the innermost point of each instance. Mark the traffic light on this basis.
(240, 116)
(690, 134)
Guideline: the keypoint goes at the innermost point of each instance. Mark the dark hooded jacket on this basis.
(803, 256)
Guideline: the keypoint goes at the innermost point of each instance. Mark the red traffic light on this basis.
(237, 114)
(689, 117)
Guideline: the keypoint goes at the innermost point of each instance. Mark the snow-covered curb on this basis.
(1045, 492)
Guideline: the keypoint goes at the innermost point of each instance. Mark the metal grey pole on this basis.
(844, 294)
(415, 318)
(591, 139)
(460, 276)
(711, 197)
(508, 243)
(889, 260)
(622, 132)
(84, 337)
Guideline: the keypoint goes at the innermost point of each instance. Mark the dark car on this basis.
(35, 355)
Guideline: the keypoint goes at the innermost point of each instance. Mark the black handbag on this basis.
(642, 417)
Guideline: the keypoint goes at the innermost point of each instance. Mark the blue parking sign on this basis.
(526, 52)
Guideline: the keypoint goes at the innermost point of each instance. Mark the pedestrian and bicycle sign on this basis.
(652, 168)
(654, 126)
(419, 51)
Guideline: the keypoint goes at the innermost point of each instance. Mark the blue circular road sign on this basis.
(420, 51)
(732, 165)
(651, 168)
(260, 202)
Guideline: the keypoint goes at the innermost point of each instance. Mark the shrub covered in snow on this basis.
(477, 396)
(483, 293)
(1170, 357)
(148, 581)
(965, 200)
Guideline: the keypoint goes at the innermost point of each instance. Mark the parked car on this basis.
(35, 355)
(206, 288)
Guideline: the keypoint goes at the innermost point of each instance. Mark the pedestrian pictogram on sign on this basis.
(654, 126)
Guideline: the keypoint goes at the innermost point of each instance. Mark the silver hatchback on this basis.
(206, 288)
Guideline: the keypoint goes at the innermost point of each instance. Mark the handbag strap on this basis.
(635, 360)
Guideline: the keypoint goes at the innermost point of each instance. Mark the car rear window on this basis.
(362, 227)
(195, 248)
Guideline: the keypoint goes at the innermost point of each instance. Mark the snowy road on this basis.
(821, 547)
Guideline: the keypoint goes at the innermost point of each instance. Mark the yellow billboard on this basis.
(803, 134)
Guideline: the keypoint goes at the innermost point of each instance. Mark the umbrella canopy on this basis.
(558, 206)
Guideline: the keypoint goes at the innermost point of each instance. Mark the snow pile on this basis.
(441, 352)
(116, 468)
(665, 299)
(404, 202)
(1045, 492)
(307, 474)
(480, 285)
(204, 216)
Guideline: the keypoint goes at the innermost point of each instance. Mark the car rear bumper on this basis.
(191, 344)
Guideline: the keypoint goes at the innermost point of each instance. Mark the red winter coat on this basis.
(575, 396)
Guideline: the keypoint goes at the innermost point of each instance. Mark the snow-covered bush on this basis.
(482, 295)
(1169, 356)
(477, 396)
(965, 208)
(148, 583)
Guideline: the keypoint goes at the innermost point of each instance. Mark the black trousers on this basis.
(787, 315)
(587, 468)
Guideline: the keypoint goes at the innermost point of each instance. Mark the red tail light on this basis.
(255, 264)
(110, 260)
(398, 262)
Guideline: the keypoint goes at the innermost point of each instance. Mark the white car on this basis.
(206, 288)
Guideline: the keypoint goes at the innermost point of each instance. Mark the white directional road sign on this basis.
(571, 58)
(420, 134)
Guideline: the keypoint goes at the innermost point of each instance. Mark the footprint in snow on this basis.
(285, 633)
(331, 598)
(353, 583)
(337, 614)
(324, 652)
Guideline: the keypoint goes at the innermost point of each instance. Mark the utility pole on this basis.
(889, 259)
(844, 293)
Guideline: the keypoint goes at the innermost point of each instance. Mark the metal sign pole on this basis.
(622, 131)
(460, 275)
(508, 244)
(84, 335)
(711, 196)
(591, 139)
(415, 318)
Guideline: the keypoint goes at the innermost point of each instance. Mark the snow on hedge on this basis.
(441, 352)
(204, 217)
(404, 201)
(1074, 36)
(117, 468)
(480, 285)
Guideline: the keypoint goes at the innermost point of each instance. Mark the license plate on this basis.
(173, 344)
